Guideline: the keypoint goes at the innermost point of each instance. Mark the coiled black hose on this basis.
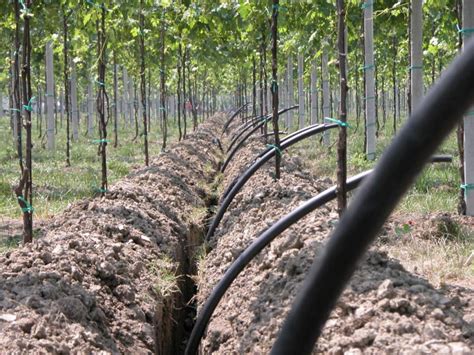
(396, 170)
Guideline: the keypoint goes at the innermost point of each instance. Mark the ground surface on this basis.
(386, 308)
(111, 274)
(104, 275)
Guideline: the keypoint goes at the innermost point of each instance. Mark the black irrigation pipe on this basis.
(261, 242)
(234, 115)
(251, 251)
(270, 153)
(252, 131)
(243, 128)
(424, 131)
(262, 153)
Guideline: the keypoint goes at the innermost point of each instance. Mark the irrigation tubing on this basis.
(261, 242)
(262, 153)
(234, 115)
(254, 167)
(395, 172)
(252, 131)
(252, 250)
(243, 128)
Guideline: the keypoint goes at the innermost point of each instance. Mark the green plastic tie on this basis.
(464, 31)
(470, 113)
(278, 150)
(14, 109)
(161, 108)
(24, 10)
(28, 208)
(365, 5)
(415, 67)
(49, 95)
(28, 106)
(101, 190)
(368, 67)
(100, 141)
(274, 86)
(369, 98)
(467, 187)
(339, 122)
(100, 83)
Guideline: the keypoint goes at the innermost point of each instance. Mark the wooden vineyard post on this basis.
(416, 68)
(74, 106)
(468, 33)
(50, 96)
(90, 110)
(291, 93)
(369, 70)
(301, 109)
(326, 98)
(314, 93)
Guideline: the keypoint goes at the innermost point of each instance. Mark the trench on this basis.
(176, 316)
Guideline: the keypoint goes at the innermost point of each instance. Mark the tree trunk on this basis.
(115, 109)
(178, 90)
(274, 86)
(102, 99)
(183, 66)
(163, 86)
(24, 191)
(342, 142)
(143, 83)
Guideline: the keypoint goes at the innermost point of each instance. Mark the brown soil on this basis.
(108, 273)
(385, 308)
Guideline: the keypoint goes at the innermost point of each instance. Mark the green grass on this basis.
(435, 190)
(55, 185)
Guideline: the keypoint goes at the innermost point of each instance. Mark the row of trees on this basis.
(202, 53)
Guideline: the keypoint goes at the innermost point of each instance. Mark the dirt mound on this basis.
(384, 309)
(107, 273)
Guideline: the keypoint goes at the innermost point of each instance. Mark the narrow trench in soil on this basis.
(185, 307)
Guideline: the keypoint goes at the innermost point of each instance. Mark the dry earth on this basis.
(103, 277)
(385, 308)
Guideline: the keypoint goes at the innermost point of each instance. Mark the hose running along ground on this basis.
(265, 156)
(429, 125)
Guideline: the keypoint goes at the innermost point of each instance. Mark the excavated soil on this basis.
(109, 274)
(384, 309)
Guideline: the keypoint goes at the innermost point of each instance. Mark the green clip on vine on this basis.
(28, 106)
(277, 149)
(339, 122)
(28, 208)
